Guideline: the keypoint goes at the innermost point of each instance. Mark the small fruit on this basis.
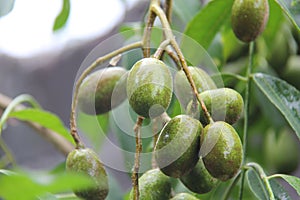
(149, 87)
(85, 161)
(221, 150)
(249, 18)
(154, 185)
(184, 196)
(183, 89)
(177, 147)
(199, 179)
(95, 94)
(224, 104)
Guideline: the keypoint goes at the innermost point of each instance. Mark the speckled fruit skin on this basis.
(154, 185)
(184, 196)
(221, 149)
(183, 89)
(176, 150)
(85, 161)
(149, 85)
(249, 18)
(224, 104)
(95, 94)
(199, 179)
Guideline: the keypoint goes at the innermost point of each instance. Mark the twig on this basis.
(168, 10)
(161, 48)
(63, 145)
(138, 150)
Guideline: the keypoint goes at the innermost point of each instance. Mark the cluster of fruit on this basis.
(199, 157)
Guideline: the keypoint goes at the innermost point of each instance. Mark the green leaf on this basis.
(292, 180)
(186, 11)
(6, 6)
(45, 119)
(29, 185)
(283, 95)
(292, 10)
(206, 24)
(279, 192)
(256, 185)
(63, 16)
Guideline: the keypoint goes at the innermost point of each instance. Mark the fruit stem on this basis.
(148, 29)
(163, 45)
(246, 108)
(169, 35)
(84, 74)
(173, 57)
(138, 150)
(114, 61)
(258, 169)
(168, 10)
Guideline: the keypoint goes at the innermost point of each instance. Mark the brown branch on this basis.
(63, 145)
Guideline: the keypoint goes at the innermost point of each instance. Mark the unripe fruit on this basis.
(184, 196)
(249, 18)
(224, 104)
(221, 150)
(95, 94)
(177, 147)
(199, 179)
(86, 162)
(149, 87)
(183, 88)
(154, 185)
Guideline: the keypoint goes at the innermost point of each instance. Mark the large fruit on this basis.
(85, 161)
(221, 149)
(95, 94)
(177, 147)
(154, 185)
(184, 196)
(224, 104)
(182, 87)
(149, 87)
(199, 179)
(249, 18)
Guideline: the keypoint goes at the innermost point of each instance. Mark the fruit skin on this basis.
(85, 161)
(199, 179)
(177, 147)
(183, 88)
(149, 85)
(184, 196)
(221, 149)
(154, 185)
(249, 18)
(224, 104)
(95, 93)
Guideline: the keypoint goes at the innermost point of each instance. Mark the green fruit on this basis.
(224, 104)
(249, 18)
(95, 94)
(154, 185)
(199, 179)
(149, 87)
(86, 162)
(184, 196)
(221, 149)
(176, 150)
(182, 87)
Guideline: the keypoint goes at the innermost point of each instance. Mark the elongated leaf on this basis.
(292, 10)
(292, 180)
(63, 16)
(279, 192)
(283, 95)
(6, 6)
(256, 185)
(206, 24)
(45, 119)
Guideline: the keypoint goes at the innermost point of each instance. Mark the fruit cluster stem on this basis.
(85, 73)
(169, 35)
(138, 150)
